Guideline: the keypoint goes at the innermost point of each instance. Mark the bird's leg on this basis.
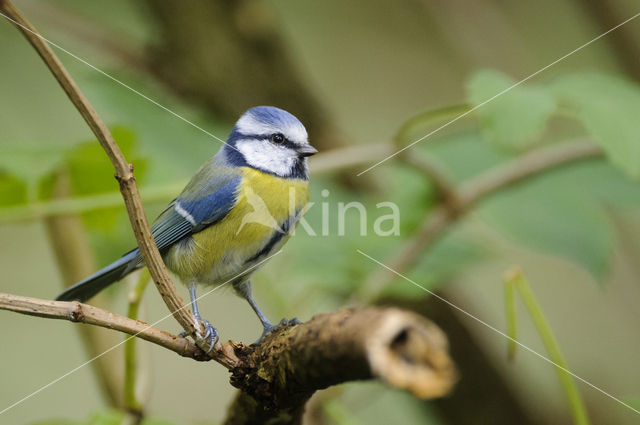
(266, 324)
(244, 290)
(211, 333)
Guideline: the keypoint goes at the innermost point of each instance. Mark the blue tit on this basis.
(237, 211)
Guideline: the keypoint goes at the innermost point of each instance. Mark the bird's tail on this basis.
(95, 283)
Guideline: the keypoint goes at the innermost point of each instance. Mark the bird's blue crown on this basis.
(271, 140)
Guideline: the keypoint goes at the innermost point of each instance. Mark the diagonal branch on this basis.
(124, 175)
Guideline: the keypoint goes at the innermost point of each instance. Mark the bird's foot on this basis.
(268, 327)
(210, 333)
(290, 322)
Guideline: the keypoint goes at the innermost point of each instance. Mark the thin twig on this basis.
(526, 166)
(85, 313)
(468, 195)
(124, 175)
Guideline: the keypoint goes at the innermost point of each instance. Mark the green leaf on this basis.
(516, 118)
(609, 108)
(555, 217)
(92, 172)
(546, 213)
(602, 181)
(13, 191)
(30, 163)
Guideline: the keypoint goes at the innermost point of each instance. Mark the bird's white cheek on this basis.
(267, 157)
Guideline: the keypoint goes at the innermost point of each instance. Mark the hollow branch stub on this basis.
(405, 350)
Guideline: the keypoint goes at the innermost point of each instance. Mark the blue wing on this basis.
(184, 217)
(194, 210)
(206, 200)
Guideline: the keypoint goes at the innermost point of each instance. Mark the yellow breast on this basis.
(226, 249)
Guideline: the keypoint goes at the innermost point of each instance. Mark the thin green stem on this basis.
(78, 205)
(512, 318)
(578, 409)
(131, 402)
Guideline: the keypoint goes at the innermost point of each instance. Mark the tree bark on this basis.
(278, 376)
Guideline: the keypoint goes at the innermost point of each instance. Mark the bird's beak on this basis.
(306, 150)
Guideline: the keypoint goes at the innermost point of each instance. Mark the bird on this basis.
(236, 212)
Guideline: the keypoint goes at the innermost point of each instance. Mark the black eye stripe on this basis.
(287, 143)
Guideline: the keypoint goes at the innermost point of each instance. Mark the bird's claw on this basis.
(268, 328)
(210, 334)
(290, 322)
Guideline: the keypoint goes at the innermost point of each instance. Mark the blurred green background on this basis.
(356, 72)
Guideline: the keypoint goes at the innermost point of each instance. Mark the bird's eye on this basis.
(277, 138)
